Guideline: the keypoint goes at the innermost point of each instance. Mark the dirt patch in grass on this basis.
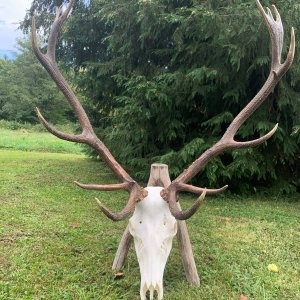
(4, 264)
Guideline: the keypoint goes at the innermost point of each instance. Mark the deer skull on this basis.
(153, 228)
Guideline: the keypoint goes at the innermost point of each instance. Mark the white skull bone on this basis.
(153, 228)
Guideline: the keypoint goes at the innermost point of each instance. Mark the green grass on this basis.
(55, 244)
(35, 141)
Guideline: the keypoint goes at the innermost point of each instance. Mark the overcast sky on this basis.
(11, 13)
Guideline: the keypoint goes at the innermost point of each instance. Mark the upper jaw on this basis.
(153, 286)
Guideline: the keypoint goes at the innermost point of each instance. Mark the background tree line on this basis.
(25, 85)
(163, 79)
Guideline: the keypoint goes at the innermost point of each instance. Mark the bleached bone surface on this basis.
(153, 228)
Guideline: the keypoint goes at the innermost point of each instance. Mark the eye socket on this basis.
(140, 222)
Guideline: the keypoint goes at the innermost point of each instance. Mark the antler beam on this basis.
(87, 135)
(227, 142)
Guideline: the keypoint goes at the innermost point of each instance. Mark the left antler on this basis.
(88, 135)
(227, 142)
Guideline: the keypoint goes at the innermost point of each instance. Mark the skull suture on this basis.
(153, 228)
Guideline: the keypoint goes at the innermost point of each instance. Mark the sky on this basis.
(11, 13)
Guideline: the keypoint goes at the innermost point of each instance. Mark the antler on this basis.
(278, 69)
(87, 135)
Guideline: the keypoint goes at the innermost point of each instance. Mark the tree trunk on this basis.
(159, 176)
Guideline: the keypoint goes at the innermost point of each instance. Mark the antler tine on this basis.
(184, 215)
(198, 190)
(60, 17)
(277, 70)
(135, 196)
(124, 214)
(108, 187)
(58, 133)
(256, 142)
(87, 136)
(275, 31)
(290, 57)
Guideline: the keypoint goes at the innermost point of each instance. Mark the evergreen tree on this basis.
(165, 78)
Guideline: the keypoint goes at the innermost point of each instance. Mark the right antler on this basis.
(278, 69)
(87, 136)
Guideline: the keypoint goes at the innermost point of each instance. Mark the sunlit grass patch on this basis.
(25, 140)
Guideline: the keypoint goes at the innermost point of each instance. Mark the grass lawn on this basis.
(35, 141)
(55, 244)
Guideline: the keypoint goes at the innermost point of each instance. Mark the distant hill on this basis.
(9, 54)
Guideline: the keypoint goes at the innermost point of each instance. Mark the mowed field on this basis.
(56, 244)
